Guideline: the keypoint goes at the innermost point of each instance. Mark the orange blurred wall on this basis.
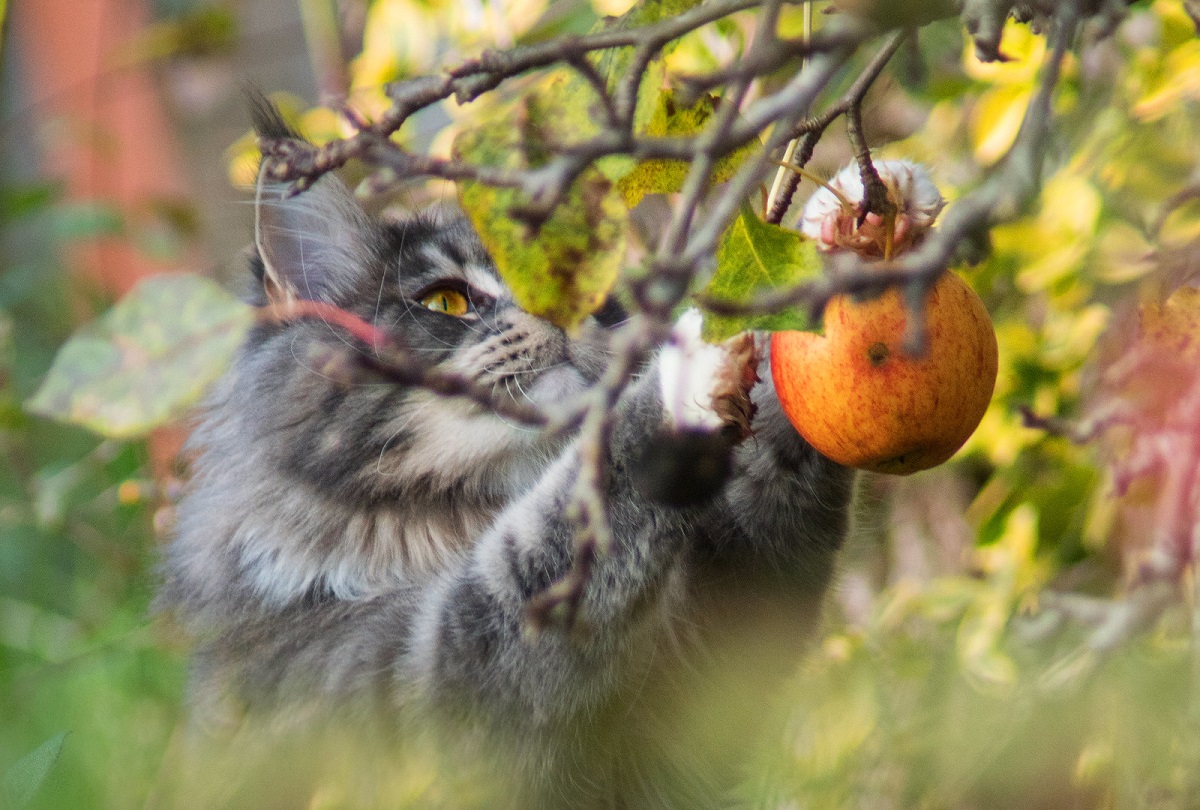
(107, 136)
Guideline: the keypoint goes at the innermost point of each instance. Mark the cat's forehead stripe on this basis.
(440, 261)
(477, 276)
(484, 280)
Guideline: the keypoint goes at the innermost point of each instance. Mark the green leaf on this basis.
(565, 271)
(755, 256)
(615, 63)
(23, 780)
(87, 220)
(22, 200)
(669, 119)
(147, 359)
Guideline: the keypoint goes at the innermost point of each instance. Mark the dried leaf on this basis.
(148, 358)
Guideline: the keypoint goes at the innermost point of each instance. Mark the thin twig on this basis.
(810, 131)
(387, 358)
(561, 601)
(486, 72)
(785, 184)
(1002, 197)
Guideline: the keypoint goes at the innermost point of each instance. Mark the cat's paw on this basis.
(706, 386)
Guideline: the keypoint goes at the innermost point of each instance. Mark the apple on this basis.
(859, 399)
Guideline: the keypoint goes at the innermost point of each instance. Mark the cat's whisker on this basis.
(383, 277)
(539, 369)
(517, 383)
(514, 425)
(417, 409)
(312, 294)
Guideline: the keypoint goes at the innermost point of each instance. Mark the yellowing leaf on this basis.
(407, 37)
(1180, 82)
(1070, 205)
(996, 120)
(1068, 338)
(1025, 51)
(243, 157)
(566, 270)
(1054, 266)
(614, 64)
(666, 176)
(1175, 21)
(1123, 254)
(399, 37)
(755, 256)
(1057, 242)
(148, 358)
(612, 8)
(1182, 225)
(320, 125)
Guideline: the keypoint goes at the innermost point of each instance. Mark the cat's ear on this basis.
(313, 245)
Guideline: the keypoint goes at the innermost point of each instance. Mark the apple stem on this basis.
(847, 206)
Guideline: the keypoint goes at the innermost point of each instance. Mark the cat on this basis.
(361, 549)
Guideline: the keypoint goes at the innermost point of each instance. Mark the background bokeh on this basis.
(936, 683)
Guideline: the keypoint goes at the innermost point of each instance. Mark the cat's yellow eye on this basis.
(451, 302)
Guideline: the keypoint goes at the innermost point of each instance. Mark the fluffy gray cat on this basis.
(370, 549)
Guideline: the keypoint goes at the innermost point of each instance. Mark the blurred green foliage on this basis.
(148, 358)
(935, 684)
(76, 546)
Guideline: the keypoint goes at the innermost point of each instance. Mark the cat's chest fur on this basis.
(283, 539)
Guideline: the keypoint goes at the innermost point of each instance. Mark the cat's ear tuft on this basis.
(313, 245)
(266, 118)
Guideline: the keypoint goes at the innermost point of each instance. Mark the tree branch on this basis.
(699, 219)
(1004, 196)
(809, 131)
